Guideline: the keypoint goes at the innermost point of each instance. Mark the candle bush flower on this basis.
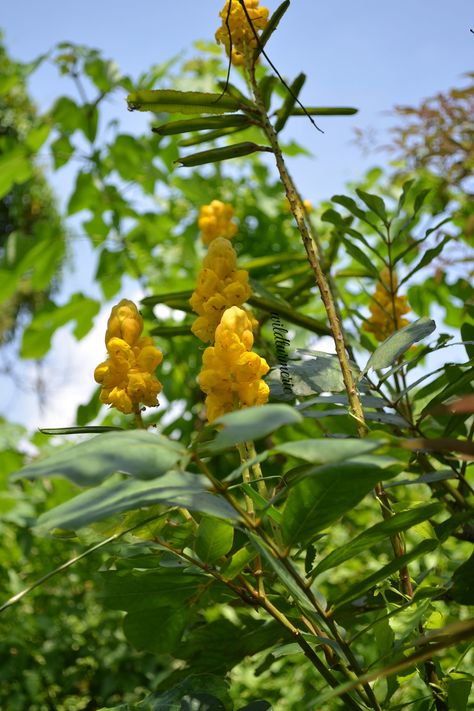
(231, 373)
(215, 220)
(386, 308)
(242, 37)
(127, 375)
(220, 284)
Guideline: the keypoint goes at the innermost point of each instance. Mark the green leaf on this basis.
(67, 115)
(214, 155)
(321, 373)
(324, 111)
(377, 533)
(353, 208)
(420, 199)
(37, 336)
(62, 150)
(88, 411)
(265, 87)
(86, 194)
(463, 583)
(467, 333)
(325, 495)
(199, 124)
(90, 121)
(172, 489)
(237, 563)
(374, 203)
(198, 692)
(252, 423)
(357, 590)
(271, 26)
(361, 257)
(458, 693)
(104, 73)
(350, 205)
(427, 258)
(404, 194)
(15, 168)
(140, 454)
(110, 269)
(326, 451)
(138, 590)
(181, 102)
(158, 630)
(37, 136)
(395, 345)
(285, 111)
(214, 539)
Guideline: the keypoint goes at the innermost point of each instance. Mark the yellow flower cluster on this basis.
(236, 23)
(215, 220)
(220, 284)
(386, 310)
(128, 375)
(231, 373)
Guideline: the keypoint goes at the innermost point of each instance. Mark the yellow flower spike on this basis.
(215, 220)
(231, 373)
(220, 285)
(235, 22)
(127, 376)
(386, 310)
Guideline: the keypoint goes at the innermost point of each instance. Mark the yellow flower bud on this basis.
(125, 322)
(215, 220)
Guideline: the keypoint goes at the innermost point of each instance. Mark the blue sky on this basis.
(371, 55)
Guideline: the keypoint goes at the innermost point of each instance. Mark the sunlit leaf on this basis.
(394, 346)
(355, 591)
(377, 533)
(252, 423)
(214, 539)
(172, 489)
(325, 451)
(139, 454)
(326, 494)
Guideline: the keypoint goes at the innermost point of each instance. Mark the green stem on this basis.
(138, 417)
(296, 633)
